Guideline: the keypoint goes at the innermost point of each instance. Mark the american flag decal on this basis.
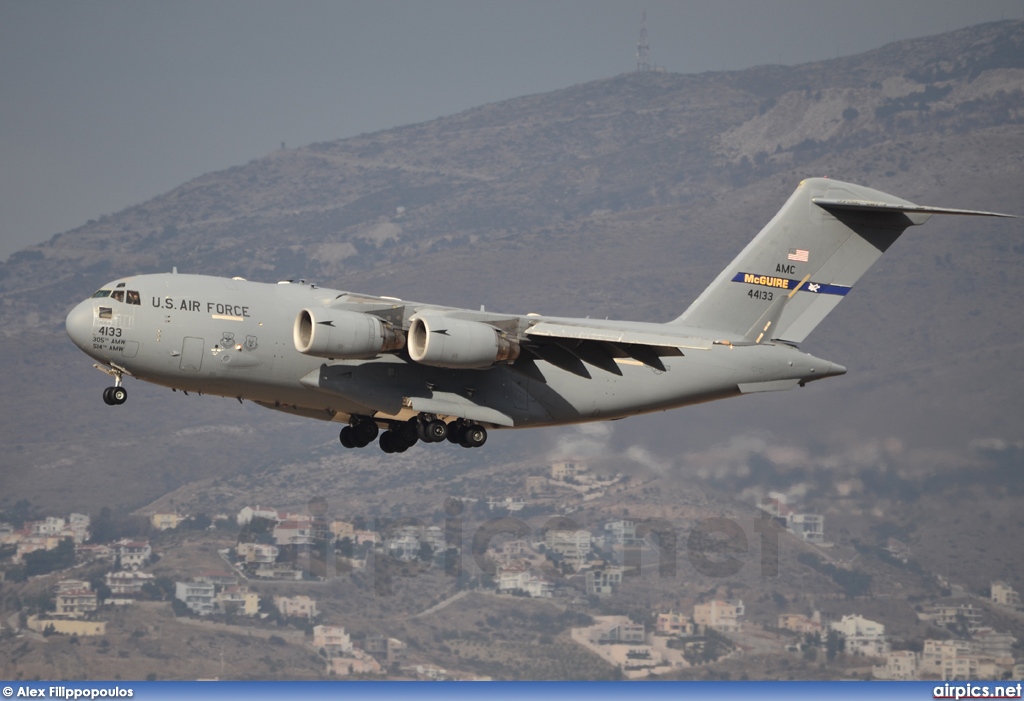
(797, 254)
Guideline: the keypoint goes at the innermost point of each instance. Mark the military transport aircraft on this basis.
(428, 373)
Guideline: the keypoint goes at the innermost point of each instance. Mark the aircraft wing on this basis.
(572, 346)
(361, 385)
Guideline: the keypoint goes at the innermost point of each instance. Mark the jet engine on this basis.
(336, 333)
(444, 342)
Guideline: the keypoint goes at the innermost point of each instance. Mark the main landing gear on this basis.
(400, 436)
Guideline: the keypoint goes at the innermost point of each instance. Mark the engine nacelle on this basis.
(337, 333)
(444, 342)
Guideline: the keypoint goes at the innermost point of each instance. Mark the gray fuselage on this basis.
(235, 338)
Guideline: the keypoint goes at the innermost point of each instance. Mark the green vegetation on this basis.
(853, 582)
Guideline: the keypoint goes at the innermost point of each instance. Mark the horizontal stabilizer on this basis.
(865, 206)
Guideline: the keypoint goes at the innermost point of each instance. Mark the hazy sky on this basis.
(106, 104)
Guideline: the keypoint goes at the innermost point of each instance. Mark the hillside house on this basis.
(127, 583)
(723, 616)
(333, 639)
(1004, 595)
(248, 513)
(133, 554)
(238, 598)
(166, 521)
(799, 623)
(296, 606)
(200, 597)
(862, 636)
(74, 603)
(673, 624)
(602, 581)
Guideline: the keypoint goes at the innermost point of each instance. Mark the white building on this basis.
(51, 525)
(723, 616)
(994, 644)
(810, 527)
(900, 665)
(517, 578)
(619, 629)
(863, 637)
(200, 597)
(257, 553)
(127, 583)
(562, 471)
(511, 504)
(572, 545)
(333, 639)
(293, 532)
(1004, 595)
(133, 554)
(601, 581)
(78, 528)
(296, 606)
(621, 532)
(406, 543)
(248, 513)
(75, 602)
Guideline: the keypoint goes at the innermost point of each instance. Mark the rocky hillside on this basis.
(621, 197)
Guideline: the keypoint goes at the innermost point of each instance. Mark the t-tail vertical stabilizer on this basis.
(810, 254)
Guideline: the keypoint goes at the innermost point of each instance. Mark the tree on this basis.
(834, 644)
(46, 561)
(159, 589)
(426, 553)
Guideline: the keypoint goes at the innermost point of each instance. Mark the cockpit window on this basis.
(101, 293)
(133, 297)
(120, 285)
(118, 295)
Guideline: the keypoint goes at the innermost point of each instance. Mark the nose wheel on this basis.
(116, 395)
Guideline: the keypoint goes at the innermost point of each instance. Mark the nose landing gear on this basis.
(116, 395)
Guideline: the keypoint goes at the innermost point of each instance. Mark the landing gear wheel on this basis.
(404, 435)
(435, 431)
(385, 442)
(474, 436)
(115, 396)
(363, 433)
(455, 432)
(346, 437)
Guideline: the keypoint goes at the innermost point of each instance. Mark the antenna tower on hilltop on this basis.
(643, 51)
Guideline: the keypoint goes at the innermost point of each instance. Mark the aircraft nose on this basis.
(79, 324)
